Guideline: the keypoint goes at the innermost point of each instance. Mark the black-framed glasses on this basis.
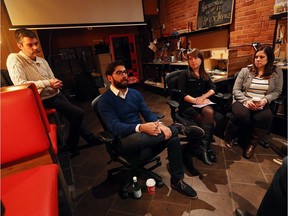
(121, 72)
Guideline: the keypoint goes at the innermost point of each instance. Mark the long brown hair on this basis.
(196, 53)
(269, 68)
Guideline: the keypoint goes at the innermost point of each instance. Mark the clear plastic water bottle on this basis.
(136, 188)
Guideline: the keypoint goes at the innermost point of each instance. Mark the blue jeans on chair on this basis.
(72, 113)
(141, 141)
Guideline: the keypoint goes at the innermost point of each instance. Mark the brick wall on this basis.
(250, 21)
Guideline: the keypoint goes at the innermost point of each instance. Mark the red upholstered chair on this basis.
(31, 192)
(29, 166)
(23, 126)
(6, 81)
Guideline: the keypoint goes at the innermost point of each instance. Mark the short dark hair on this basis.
(111, 67)
(23, 32)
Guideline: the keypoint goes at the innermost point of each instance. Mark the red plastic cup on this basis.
(150, 183)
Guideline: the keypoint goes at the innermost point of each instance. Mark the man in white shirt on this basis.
(27, 67)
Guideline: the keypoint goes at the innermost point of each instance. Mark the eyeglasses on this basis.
(121, 73)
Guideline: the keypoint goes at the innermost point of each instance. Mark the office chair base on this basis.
(138, 171)
(159, 184)
(124, 192)
(265, 143)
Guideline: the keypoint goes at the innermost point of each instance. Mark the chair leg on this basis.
(112, 171)
(59, 129)
(67, 194)
(53, 113)
(123, 193)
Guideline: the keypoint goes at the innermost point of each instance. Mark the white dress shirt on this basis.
(23, 69)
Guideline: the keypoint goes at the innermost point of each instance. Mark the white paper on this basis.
(202, 105)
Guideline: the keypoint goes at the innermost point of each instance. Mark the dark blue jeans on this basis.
(144, 141)
(73, 114)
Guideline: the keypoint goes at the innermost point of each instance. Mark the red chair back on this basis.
(24, 125)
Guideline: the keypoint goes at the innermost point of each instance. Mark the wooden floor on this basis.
(231, 182)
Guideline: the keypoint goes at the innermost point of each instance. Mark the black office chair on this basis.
(173, 92)
(5, 78)
(133, 162)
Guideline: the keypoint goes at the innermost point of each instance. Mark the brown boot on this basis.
(256, 136)
(229, 134)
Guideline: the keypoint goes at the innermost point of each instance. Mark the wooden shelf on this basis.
(199, 31)
(278, 16)
(155, 84)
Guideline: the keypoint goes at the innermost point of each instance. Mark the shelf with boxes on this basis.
(154, 73)
(101, 62)
(220, 64)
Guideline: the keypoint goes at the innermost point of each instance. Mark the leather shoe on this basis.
(241, 212)
(249, 153)
(211, 155)
(184, 188)
(192, 131)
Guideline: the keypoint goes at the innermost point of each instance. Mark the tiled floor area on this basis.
(231, 182)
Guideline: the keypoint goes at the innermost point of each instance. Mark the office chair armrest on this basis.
(106, 137)
(219, 95)
(276, 104)
(173, 104)
(159, 115)
(279, 101)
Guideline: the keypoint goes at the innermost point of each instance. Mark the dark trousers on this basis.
(144, 141)
(242, 116)
(275, 199)
(73, 114)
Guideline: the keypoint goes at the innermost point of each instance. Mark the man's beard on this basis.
(121, 85)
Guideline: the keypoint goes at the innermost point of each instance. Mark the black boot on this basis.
(242, 212)
(202, 152)
(191, 131)
(203, 155)
(188, 151)
(211, 152)
(229, 134)
(212, 155)
(256, 136)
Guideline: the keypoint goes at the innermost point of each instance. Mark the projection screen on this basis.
(73, 13)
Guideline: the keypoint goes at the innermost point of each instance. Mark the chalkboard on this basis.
(213, 13)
